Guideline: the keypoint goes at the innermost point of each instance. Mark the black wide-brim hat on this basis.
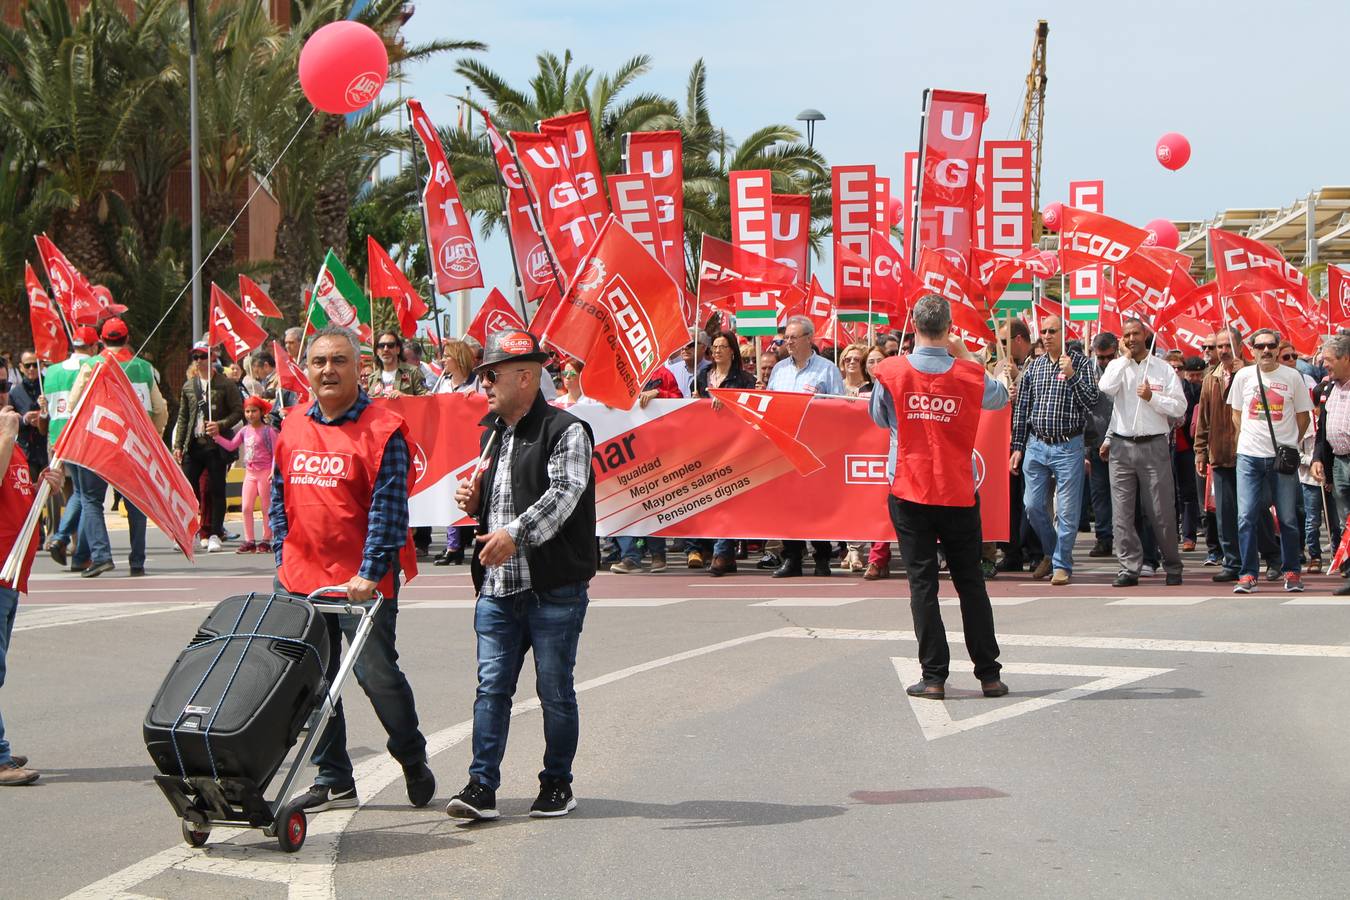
(511, 346)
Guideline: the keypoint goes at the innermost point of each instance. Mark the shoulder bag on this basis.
(1286, 457)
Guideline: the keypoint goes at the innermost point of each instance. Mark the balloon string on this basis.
(228, 228)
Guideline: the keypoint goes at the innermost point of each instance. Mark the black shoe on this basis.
(1273, 572)
(97, 569)
(476, 801)
(421, 784)
(1102, 548)
(822, 569)
(442, 560)
(1125, 579)
(927, 690)
(1342, 591)
(137, 571)
(321, 797)
(58, 552)
(791, 568)
(1224, 576)
(1009, 565)
(555, 799)
(1173, 579)
(769, 561)
(995, 688)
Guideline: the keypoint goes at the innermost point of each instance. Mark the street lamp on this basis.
(810, 117)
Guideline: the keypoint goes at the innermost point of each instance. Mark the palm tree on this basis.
(557, 88)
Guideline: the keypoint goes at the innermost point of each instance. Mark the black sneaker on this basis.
(1102, 549)
(321, 797)
(476, 801)
(421, 784)
(1225, 575)
(57, 549)
(555, 799)
(98, 569)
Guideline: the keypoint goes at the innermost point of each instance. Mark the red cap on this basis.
(114, 329)
(260, 402)
(86, 336)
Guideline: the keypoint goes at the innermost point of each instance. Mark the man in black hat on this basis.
(533, 494)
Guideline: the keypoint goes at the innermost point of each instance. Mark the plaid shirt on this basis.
(1053, 408)
(387, 526)
(569, 468)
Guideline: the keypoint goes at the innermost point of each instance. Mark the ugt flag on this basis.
(621, 316)
(336, 300)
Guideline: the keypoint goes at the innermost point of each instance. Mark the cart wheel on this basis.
(291, 828)
(194, 836)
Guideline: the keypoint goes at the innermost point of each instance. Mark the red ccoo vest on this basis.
(937, 419)
(329, 473)
(16, 498)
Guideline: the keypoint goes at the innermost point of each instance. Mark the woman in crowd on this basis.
(571, 379)
(727, 372)
(457, 377)
(857, 380)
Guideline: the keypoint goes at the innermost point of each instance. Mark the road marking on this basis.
(53, 615)
(1238, 648)
(776, 586)
(1317, 601)
(1158, 601)
(935, 719)
(311, 872)
(809, 601)
(437, 604)
(993, 601)
(617, 602)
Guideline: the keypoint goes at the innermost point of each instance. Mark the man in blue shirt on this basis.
(804, 371)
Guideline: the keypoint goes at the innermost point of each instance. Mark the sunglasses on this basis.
(198, 357)
(1206, 346)
(1264, 346)
(387, 345)
(567, 373)
(1288, 357)
(31, 365)
(490, 376)
(1049, 331)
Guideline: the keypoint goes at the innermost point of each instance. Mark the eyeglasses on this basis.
(387, 345)
(1264, 346)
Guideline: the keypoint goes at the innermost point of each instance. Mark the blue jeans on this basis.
(94, 530)
(1257, 484)
(1100, 488)
(549, 622)
(724, 547)
(628, 550)
(9, 607)
(377, 672)
(1063, 463)
(1312, 520)
(68, 530)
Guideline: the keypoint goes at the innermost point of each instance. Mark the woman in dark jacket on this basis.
(726, 371)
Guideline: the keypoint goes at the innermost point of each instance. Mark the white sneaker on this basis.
(203, 543)
(213, 544)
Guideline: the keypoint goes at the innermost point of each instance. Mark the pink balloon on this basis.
(1173, 150)
(1050, 216)
(1162, 233)
(343, 66)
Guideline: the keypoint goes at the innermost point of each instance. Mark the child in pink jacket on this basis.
(259, 444)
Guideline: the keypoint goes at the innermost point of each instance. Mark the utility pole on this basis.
(195, 168)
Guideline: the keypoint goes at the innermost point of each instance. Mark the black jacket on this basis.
(570, 556)
(737, 378)
(31, 439)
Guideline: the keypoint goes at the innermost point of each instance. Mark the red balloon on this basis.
(343, 65)
(1173, 150)
(1162, 233)
(897, 210)
(1050, 216)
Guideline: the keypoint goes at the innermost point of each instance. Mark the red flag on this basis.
(1338, 296)
(536, 269)
(106, 306)
(791, 233)
(70, 288)
(548, 307)
(111, 434)
(1247, 312)
(660, 155)
(635, 208)
(1242, 265)
(289, 373)
(938, 275)
(255, 301)
(1186, 333)
(853, 201)
(453, 254)
(560, 198)
(49, 337)
(778, 416)
(816, 305)
(725, 270)
(387, 280)
(621, 317)
(1342, 549)
(1108, 314)
(951, 152)
(573, 132)
(231, 326)
(496, 314)
(892, 280)
(1088, 239)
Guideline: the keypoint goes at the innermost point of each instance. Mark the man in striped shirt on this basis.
(1053, 399)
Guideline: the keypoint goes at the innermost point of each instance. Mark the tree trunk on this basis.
(79, 234)
(217, 212)
(289, 278)
(149, 211)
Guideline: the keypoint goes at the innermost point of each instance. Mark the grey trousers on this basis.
(1143, 471)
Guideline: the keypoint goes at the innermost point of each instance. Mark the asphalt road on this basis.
(741, 737)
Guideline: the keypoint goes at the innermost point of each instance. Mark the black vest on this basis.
(570, 555)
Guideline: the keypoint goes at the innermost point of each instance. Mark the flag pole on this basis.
(916, 205)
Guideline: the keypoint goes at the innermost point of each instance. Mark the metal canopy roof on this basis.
(1313, 229)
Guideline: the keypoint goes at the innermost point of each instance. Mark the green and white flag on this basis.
(1016, 298)
(756, 321)
(338, 300)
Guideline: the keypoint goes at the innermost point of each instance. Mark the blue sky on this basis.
(1258, 88)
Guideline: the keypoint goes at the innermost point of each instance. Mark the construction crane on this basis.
(1033, 121)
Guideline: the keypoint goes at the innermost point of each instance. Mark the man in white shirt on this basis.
(1284, 415)
(690, 362)
(1145, 394)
